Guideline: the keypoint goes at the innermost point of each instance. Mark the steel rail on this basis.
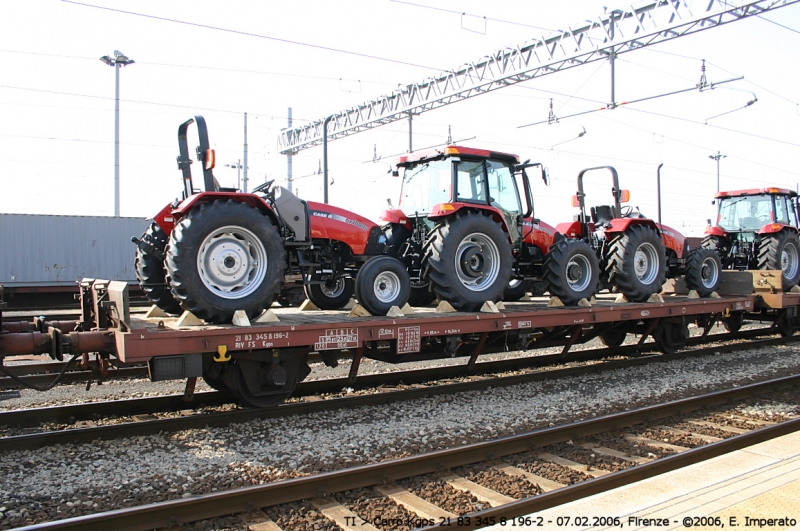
(225, 418)
(174, 512)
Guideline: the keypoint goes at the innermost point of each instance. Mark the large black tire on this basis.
(421, 295)
(720, 245)
(571, 271)
(151, 273)
(781, 252)
(637, 263)
(516, 289)
(468, 260)
(334, 294)
(225, 256)
(381, 283)
(703, 271)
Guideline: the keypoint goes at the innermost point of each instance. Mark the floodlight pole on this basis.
(119, 59)
(717, 157)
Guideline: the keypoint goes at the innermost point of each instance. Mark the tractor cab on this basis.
(438, 183)
(748, 211)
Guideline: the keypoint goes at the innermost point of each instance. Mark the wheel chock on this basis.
(585, 303)
(359, 311)
(188, 319)
(714, 295)
(267, 317)
(155, 311)
(555, 302)
(500, 305)
(655, 297)
(621, 298)
(693, 294)
(445, 307)
(489, 307)
(395, 311)
(240, 318)
(308, 306)
(407, 309)
(593, 300)
(795, 289)
(350, 305)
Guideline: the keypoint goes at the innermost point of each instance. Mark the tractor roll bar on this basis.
(184, 161)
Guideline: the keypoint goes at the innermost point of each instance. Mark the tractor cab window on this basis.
(425, 185)
(748, 213)
(471, 181)
(782, 209)
(502, 187)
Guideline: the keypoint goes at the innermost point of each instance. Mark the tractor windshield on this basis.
(426, 185)
(747, 213)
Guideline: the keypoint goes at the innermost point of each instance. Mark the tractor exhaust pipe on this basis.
(658, 186)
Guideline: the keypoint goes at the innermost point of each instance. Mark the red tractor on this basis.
(219, 250)
(757, 229)
(637, 254)
(465, 232)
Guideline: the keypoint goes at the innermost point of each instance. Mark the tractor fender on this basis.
(572, 229)
(171, 214)
(674, 241)
(772, 228)
(620, 225)
(716, 231)
(443, 210)
(333, 223)
(395, 216)
(539, 234)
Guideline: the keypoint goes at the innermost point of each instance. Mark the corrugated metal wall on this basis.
(40, 250)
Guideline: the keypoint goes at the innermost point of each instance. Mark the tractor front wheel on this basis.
(332, 294)
(151, 273)
(781, 252)
(381, 283)
(703, 271)
(469, 260)
(637, 263)
(571, 271)
(517, 288)
(225, 256)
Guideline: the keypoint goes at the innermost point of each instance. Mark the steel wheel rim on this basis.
(334, 291)
(386, 286)
(645, 263)
(578, 272)
(789, 262)
(232, 262)
(709, 273)
(514, 283)
(477, 262)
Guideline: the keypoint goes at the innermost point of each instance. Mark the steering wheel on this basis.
(626, 211)
(263, 187)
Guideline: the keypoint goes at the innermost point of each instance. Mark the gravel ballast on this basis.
(70, 480)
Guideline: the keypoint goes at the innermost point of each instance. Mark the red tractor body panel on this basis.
(395, 216)
(620, 225)
(571, 229)
(541, 235)
(756, 191)
(334, 223)
(673, 239)
(771, 228)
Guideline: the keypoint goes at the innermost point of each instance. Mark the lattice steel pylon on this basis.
(617, 31)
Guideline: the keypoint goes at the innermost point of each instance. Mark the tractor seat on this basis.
(602, 215)
(751, 223)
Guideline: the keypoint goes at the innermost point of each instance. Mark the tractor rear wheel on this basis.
(703, 271)
(151, 273)
(333, 294)
(420, 295)
(382, 283)
(571, 271)
(781, 252)
(468, 260)
(637, 263)
(225, 256)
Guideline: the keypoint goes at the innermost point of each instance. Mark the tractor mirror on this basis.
(210, 159)
(395, 173)
(624, 196)
(713, 201)
(546, 176)
(575, 201)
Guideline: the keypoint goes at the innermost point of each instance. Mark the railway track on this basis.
(40, 427)
(495, 480)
